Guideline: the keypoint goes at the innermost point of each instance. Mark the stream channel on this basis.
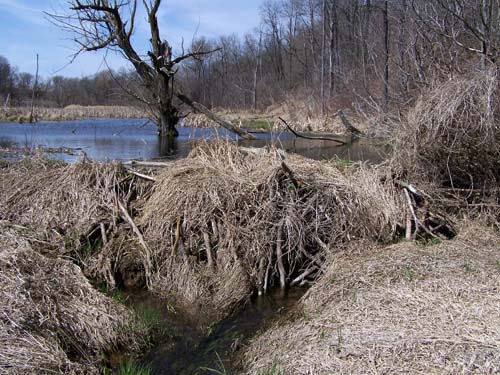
(187, 351)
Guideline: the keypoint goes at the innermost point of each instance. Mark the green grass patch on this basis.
(130, 367)
(258, 124)
(342, 163)
(273, 370)
(148, 324)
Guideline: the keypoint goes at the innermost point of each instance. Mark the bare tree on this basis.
(109, 24)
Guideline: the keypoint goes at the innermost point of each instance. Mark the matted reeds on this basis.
(227, 220)
(451, 136)
(404, 309)
(52, 320)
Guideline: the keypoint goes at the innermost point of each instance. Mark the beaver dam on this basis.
(402, 257)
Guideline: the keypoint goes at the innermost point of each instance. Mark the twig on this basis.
(147, 254)
(279, 256)
(143, 176)
(208, 248)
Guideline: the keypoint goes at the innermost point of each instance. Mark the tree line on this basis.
(103, 88)
(330, 54)
(372, 54)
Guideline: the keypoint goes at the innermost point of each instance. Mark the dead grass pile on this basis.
(406, 308)
(51, 318)
(452, 134)
(227, 219)
(61, 202)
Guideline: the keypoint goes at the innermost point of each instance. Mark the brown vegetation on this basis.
(219, 221)
(451, 136)
(407, 308)
(71, 112)
(52, 319)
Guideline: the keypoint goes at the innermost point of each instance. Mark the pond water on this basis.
(127, 139)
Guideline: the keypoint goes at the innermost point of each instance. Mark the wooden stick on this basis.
(301, 277)
(103, 234)
(279, 256)
(347, 124)
(409, 235)
(215, 228)
(309, 137)
(266, 277)
(177, 237)
(146, 253)
(261, 275)
(208, 249)
(143, 176)
(150, 164)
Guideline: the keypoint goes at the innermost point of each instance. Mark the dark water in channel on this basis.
(126, 139)
(194, 355)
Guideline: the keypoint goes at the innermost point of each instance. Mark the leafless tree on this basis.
(109, 24)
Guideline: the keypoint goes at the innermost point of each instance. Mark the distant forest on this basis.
(367, 54)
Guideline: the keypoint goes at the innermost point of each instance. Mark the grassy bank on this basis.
(69, 113)
(407, 308)
(403, 277)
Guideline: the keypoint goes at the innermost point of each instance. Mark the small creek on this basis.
(189, 353)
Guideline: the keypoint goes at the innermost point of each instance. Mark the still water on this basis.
(214, 354)
(127, 139)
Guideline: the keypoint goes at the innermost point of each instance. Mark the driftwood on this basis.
(212, 116)
(147, 164)
(350, 127)
(319, 138)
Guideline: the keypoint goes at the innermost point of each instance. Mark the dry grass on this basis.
(71, 112)
(403, 309)
(60, 202)
(52, 320)
(451, 136)
(219, 219)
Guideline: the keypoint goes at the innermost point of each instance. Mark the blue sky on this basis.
(25, 31)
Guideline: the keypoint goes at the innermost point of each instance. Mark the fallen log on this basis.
(212, 116)
(319, 138)
(347, 124)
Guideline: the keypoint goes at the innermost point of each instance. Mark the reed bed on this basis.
(52, 320)
(227, 220)
(402, 309)
(451, 136)
(71, 112)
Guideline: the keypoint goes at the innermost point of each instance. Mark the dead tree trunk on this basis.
(30, 120)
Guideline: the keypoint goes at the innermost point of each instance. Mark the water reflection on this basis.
(167, 146)
(117, 139)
